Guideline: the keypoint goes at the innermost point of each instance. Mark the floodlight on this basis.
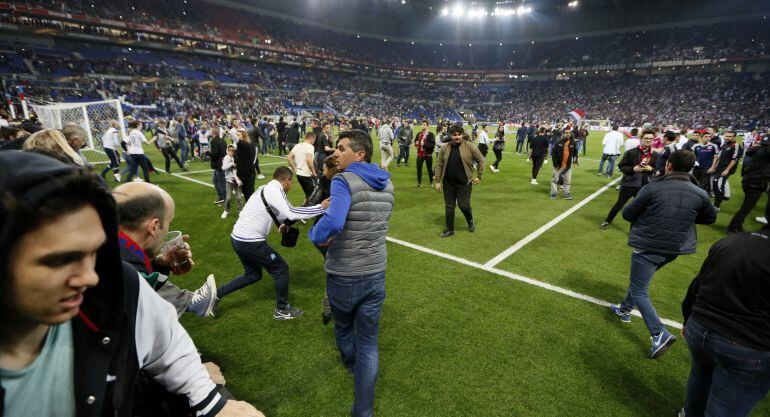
(445, 11)
(458, 10)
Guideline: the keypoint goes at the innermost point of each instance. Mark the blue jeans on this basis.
(643, 267)
(184, 147)
(138, 161)
(611, 159)
(114, 161)
(403, 152)
(726, 379)
(218, 178)
(356, 304)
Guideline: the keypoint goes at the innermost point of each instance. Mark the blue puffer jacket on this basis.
(664, 213)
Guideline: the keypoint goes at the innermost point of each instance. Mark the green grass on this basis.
(455, 340)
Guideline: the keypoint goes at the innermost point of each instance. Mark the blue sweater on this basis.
(333, 220)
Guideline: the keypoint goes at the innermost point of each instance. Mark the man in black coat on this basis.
(245, 155)
(218, 152)
(755, 182)
(637, 166)
(663, 218)
(292, 136)
(564, 154)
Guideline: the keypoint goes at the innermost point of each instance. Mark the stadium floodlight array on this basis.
(94, 117)
(459, 10)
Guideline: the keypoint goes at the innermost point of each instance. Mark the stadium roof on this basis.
(428, 21)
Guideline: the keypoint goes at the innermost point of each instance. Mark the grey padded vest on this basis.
(360, 249)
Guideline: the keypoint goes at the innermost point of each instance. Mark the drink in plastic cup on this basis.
(174, 251)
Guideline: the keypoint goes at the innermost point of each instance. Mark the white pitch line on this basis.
(211, 170)
(500, 272)
(534, 235)
(521, 278)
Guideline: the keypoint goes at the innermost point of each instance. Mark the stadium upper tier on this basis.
(205, 26)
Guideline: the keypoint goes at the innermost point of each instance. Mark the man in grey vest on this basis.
(354, 229)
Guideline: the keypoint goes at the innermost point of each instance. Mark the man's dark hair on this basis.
(134, 211)
(541, 130)
(455, 128)
(425, 122)
(729, 131)
(358, 141)
(634, 131)
(670, 136)
(325, 124)
(682, 160)
(283, 173)
(648, 132)
(614, 127)
(134, 123)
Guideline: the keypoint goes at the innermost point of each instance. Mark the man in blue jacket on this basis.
(354, 229)
(663, 218)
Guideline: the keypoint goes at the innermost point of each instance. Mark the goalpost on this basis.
(94, 117)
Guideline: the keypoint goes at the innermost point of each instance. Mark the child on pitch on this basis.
(232, 183)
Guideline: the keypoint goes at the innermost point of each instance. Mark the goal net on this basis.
(94, 117)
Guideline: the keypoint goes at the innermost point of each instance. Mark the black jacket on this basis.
(245, 153)
(430, 141)
(731, 293)
(292, 135)
(632, 158)
(557, 153)
(218, 152)
(757, 171)
(664, 213)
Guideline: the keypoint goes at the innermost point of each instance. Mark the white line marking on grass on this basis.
(521, 278)
(534, 235)
(500, 272)
(211, 170)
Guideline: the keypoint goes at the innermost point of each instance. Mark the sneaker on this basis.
(624, 317)
(204, 298)
(287, 313)
(447, 233)
(260, 177)
(660, 343)
(604, 225)
(492, 167)
(418, 185)
(184, 169)
(137, 179)
(762, 220)
(116, 177)
(326, 317)
(717, 209)
(224, 215)
(599, 174)
(618, 188)
(552, 196)
(568, 196)
(533, 182)
(220, 201)
(472, 226)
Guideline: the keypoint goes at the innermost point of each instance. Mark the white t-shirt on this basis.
(203, 137)
(632, 143)
(134, 142)
(482, 137)
(111, 139)
(254, 223)
(301, 152)
(612, 142)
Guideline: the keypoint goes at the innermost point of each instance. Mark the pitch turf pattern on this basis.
(455, 340)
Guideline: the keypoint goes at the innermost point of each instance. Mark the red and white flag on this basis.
(577, 114)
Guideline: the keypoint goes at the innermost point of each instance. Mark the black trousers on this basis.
(718, 184)
(248, 187)
(255, 256)
(626, 193)
(169, 154)
(498, 157)
(484, 149)
(457, 195)
(537, 163)
(751, 195)
(519, 145)
(702, 177)
(428, 160)
(307, 185)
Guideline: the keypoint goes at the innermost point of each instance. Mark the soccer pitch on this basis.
(465, 331)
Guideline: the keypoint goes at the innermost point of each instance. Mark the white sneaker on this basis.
(204, 298)
(260, 177)
(533, 182)
(137, 179)
(224, 214)
(761, 220)
(116, 177)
